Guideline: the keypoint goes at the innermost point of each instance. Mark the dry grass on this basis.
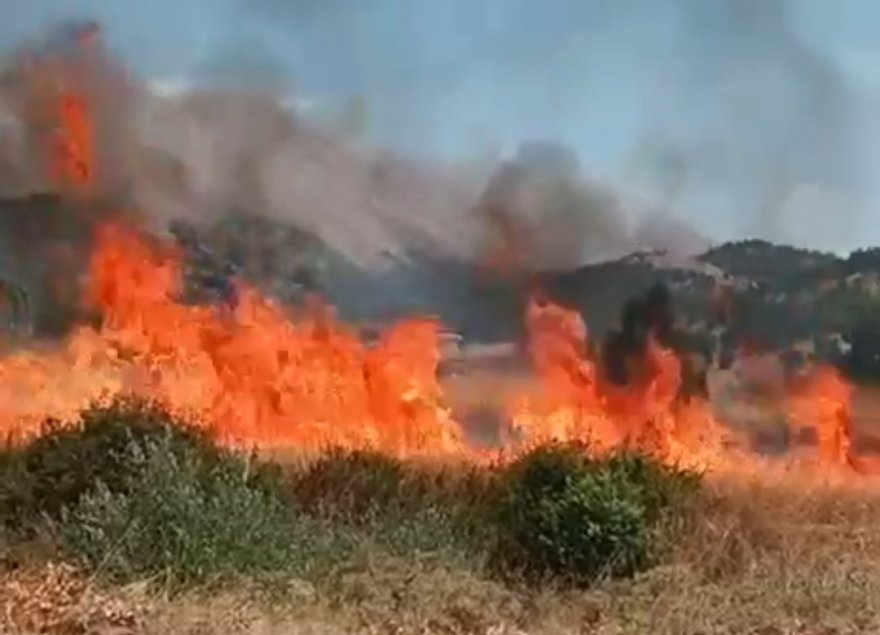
(788, 557)
(791, 556)
(761, 554)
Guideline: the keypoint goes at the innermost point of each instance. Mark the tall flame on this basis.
(822, 402)
(256, 376)
(576, 404)
(262, 378)
(72, 161)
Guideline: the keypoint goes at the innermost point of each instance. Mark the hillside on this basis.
(751, 294)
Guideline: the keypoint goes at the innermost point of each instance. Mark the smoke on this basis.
(721, 110)
(228, 144)
(721, 118)
(756, 120)
(642, 318)
(625, 352)
(545, 213)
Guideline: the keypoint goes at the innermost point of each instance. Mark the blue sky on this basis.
(610, 77)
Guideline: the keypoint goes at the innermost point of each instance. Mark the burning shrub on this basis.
(576, 519)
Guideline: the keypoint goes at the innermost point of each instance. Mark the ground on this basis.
(767, 558)
(769, 554)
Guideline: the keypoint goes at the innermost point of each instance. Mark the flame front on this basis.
(258, 377)
(255, 376)
(575, 404)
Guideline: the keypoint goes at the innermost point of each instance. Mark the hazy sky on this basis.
(745, 94)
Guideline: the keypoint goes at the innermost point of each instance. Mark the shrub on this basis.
(106, 444)
(565, 516)
(351, 486)
(186, 524)
(132, 493)
(404, 508)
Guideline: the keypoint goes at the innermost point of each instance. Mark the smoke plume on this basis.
(723, 111)
(625, 351)
(732, 122)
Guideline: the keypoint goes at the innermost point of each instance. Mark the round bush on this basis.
(107, 444)
(565, 516)
(184, 524)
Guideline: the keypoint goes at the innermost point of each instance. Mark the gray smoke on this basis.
(230, 144)
(725, 110)
(224, 146)
(756, 120)
(734, 125)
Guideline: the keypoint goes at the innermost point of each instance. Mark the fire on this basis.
(576, 404)
(72, 160)
(260, 377)
(257, 377)
(58, 111)
(823, 402)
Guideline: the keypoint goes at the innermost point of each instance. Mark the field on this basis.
(766, 551)
(765, 560)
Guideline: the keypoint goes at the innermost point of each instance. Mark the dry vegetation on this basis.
(788, 557)
(764, 552)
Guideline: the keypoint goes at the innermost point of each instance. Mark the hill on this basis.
(747, 295)
(750, 295)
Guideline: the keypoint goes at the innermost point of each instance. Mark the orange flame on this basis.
(256, 377)
(576, 405)
(58, 107)
(72, 160)
(823, 402)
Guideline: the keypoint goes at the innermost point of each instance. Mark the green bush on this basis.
(566, 517)
(406, 509)
(352, 486)
(132, 493)
(107, 444)
(185, 524)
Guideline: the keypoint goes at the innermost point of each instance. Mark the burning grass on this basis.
(360, 541)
